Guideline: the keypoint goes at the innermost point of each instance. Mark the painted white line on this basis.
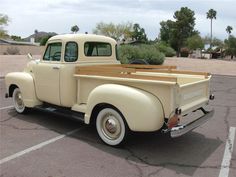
(7, 107)
(224, 171)
(38, 146)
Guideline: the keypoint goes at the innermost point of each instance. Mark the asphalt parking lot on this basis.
(45, 145)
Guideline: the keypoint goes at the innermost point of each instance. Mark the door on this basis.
(68, 83)
(47, 74)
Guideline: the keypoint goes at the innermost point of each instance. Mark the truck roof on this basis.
(82, 37)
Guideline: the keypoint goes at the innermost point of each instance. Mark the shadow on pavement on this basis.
(182, 155)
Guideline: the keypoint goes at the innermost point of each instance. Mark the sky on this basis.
(59, 15)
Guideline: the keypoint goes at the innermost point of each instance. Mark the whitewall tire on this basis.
(18, 101)
(111, 127)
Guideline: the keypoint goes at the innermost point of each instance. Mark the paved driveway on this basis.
(38, 144)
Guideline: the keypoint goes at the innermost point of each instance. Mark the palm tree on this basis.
(75, 29)
(36, 35)
(229, 29)
(211, 14)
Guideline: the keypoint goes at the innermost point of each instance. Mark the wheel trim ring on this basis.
(18, 102)
(100, 116)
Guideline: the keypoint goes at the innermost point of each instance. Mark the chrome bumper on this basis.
(182, 129)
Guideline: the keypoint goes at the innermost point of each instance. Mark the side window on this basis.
(71, 52)
(97, 49)
(53, 52)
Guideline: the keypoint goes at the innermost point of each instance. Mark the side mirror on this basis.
(30, 57)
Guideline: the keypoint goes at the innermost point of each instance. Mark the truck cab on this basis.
(53, 74)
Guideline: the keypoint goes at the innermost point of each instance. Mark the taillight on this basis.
(173, 121)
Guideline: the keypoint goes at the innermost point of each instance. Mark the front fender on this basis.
(25, 82)
(142, 110)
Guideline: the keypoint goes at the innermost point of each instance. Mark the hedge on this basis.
(150, 53)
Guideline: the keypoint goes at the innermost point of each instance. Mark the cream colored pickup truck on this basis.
(79, 76)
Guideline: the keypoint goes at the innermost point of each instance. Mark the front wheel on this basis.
(111, 127)
(18, 101)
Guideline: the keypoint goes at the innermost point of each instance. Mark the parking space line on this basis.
(36, 147)
(225, 165)
(7, 107)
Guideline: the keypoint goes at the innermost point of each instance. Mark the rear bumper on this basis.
(182, 129)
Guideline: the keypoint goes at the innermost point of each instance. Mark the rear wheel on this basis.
(111, 127)
(18, 101)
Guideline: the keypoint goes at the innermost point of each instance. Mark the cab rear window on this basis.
(94, 49)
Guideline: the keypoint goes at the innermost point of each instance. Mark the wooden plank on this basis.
(148, 66)
(136, 66)
(190, 72)
(126, 70)
(175, 72)
(131, 76)
(106, 69)
(123, 67)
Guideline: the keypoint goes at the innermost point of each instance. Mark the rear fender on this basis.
(141, 110)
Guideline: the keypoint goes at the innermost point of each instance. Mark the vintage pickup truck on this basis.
(79, 76)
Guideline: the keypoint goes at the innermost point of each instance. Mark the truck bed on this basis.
(144, 72)
(186, 89)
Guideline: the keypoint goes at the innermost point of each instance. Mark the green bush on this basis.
(166, 49)
(127, 53)
(12, 51)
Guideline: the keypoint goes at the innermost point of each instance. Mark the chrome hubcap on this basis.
(111, 127)
(19, 100)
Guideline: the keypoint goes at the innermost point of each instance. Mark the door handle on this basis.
(55, 67)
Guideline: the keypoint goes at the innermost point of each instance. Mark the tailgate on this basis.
(193, 95)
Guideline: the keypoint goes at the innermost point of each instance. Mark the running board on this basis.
(61, 112)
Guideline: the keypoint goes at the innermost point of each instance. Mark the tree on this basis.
(117, 32)
(211, 14)
(230, 46)
(217, 43)
(207, 40)
(176, 32)
(74, 29)
(44, 40)
(229, 29)
(184, 26)
(138, 33)
(195, 42)
(165, 30)
(4, 20)
(16, 38)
